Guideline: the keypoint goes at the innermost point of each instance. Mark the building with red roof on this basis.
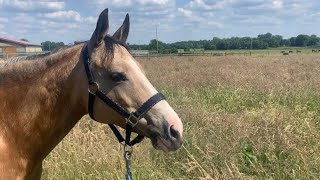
(10, 48)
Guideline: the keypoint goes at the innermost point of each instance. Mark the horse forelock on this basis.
(110, 45)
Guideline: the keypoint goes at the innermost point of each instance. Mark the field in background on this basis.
(273, 51)
(246, 52)
(245, 117)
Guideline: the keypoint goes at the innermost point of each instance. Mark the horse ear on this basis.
(122, 33)
(101, 30)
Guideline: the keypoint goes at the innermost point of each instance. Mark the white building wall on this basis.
(38, 49)
(21, 49)
(33, 49)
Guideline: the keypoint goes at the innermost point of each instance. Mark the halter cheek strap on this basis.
(131, 118)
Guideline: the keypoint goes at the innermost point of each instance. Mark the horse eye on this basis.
(118, 77)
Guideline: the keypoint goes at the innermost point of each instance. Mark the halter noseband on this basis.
(131, 118)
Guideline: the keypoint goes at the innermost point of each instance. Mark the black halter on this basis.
(131, 118)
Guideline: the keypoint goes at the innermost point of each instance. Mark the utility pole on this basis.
(250, 46)
(157, 38)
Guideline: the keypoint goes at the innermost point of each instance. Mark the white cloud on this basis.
(250, 12)
(90, 20)
(32, 5)
(121, 3)
(246, 6)
(115, 3)
(185, 12)
(190, 15)
(196, 18)
(277, 4)
(216, 24)
(71, 26)
(70, 15)
(64, 15)
(24, 18)
(52, 5)
(155, 2)
(207, 5)
(262, 20)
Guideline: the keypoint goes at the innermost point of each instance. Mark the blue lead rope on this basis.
(129, 176)
(127, 157)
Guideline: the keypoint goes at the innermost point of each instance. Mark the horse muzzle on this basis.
(168, 139)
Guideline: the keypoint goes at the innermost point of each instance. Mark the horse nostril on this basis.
(174, 133)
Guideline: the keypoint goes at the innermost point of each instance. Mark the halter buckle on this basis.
(132, 120)
(93, 88)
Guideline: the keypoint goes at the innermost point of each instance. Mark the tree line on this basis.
(262, 41)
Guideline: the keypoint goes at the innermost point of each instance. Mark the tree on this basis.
(153, 45)
(271, 40)
(49, 46)
(234, 43)
(267, 38)
(285, 42)
(25, 40)
(221, 45)
(275, 41)
(313, 40)
(210, 45)
(258, 44)
(245, 43)
(292, 41)
(302, 40)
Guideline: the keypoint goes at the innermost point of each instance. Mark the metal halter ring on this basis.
(127, 149)
(93, 88)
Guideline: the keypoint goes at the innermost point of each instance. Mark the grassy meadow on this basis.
(245, 117)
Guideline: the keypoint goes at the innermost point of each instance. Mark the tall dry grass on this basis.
(245, 118)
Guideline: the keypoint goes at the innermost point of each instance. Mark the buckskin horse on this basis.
(43, 97)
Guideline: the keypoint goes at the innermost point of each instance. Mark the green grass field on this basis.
(245, 117)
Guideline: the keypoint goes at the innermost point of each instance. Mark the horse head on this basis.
(121, 78)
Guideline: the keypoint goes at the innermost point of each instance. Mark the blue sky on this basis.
(177, 20)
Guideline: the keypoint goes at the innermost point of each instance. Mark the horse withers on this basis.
(43, 97)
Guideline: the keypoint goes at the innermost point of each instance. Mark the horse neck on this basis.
(42, 108)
